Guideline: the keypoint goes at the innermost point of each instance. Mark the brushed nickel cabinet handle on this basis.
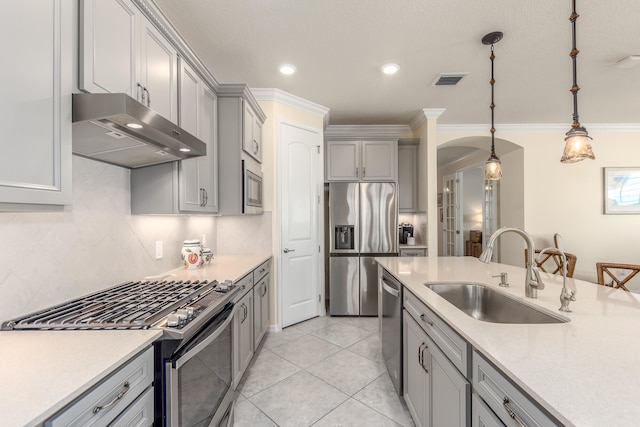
(115, 400)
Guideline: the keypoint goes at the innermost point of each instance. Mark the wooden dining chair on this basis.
(611, 268)
(551, 261)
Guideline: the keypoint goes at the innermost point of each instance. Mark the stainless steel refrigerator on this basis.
(363, 224)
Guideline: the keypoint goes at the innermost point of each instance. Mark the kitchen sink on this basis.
(489, 305)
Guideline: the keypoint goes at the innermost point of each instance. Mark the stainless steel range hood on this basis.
(115, 128)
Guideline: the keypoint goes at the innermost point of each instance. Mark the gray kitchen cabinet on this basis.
(234, 103)
(511, 405)
(260, 302)
(186, 186)
(252, 135)
(243, 328)
(121, 51)
(361, 161)
(408, 175)
(482, 415)
(35, 166)
(435, 370)
(158, 71)
(108, 38)
(198, 115)
(125, 395)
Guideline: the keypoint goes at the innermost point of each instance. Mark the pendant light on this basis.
(493, 171)
(577, 146)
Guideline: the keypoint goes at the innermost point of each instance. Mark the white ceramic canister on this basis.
(192, 254)
(207, 254)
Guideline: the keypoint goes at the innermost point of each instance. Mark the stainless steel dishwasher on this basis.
(391, 328)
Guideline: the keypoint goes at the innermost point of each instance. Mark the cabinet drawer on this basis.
(451, 344)
(245, 284)
(508, 402)
(113, 395)
(261, 271)
(139, 414)
(482, 415)
(413, 252)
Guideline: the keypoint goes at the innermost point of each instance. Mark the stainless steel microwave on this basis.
(252, 194)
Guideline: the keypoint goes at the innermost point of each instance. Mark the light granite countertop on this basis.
(43, 371)
(585, 372)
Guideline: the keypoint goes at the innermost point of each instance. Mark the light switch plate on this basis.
(159, 249)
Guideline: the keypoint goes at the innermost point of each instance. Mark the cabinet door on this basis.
(450, 392)
(158, 71)
(35, 102)
(415, 371)
(252, 133)
(243, 335)
(261, 310)
(407, 178)
(482, 415)
(379, 161)
(343, 161)
(108, 38)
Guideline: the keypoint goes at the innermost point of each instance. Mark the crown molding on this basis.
(241, 90)
(367, 131)
(273, 94)
(424, 114)
(540, 127)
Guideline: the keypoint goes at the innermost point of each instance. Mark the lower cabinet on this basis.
(436, 393)
(260, 309)
(243, 334)
(482, 415)
(125, 398)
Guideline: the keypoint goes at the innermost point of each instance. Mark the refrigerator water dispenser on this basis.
(344, 237)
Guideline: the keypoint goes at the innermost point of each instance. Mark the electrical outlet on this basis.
(159, 249)
(203, 240)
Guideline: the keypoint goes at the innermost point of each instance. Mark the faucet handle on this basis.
(504, 279)
(535, 272)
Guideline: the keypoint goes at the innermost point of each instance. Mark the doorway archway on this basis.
(464, 156)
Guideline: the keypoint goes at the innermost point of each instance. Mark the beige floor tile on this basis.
(381, 396)
(266, 370)
(306, 350)
(342, 334)
(347, 371)
(369, 347)
(354, 414)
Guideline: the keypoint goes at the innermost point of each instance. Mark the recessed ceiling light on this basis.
(134, 126)
(390, 68)
(287, 69)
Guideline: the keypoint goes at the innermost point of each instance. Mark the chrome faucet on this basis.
(565, 296)
(532, 282)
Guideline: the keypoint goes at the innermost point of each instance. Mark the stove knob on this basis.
(191, 311)
(173, 321)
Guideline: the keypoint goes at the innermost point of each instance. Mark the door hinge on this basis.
(318, 147)
(319, 298)
(318, 248)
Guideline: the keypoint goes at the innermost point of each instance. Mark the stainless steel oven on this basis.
(252, 194)
(199, 388)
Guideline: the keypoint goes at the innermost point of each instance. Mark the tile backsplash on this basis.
(51, 257)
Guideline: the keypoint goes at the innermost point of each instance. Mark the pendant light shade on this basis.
(577, 146)
(493, 171)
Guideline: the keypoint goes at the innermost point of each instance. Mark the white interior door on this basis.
(300, 189)
(452, 221)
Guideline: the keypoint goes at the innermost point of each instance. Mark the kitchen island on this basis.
(584, 372)
(44, 371)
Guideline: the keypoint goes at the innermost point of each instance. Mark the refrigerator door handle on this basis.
(390, 290)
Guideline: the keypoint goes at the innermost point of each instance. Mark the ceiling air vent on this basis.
(448, 79)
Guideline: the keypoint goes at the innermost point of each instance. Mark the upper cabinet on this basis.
(242, 127)
(408, 175)
(121, 51)
(362, 161)
(35, 100)
(198, 114)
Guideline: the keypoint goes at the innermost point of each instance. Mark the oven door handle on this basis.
(181, 360)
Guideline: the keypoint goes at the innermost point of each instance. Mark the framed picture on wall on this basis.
(622, 190)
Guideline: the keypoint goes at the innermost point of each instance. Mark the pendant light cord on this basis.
(574, 53)
(493, 105)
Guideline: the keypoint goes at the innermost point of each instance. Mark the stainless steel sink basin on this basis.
(489, 305)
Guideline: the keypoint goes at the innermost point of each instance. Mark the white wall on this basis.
(51, 257)
(567, 199)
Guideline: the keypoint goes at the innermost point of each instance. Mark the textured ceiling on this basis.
(338, 47)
